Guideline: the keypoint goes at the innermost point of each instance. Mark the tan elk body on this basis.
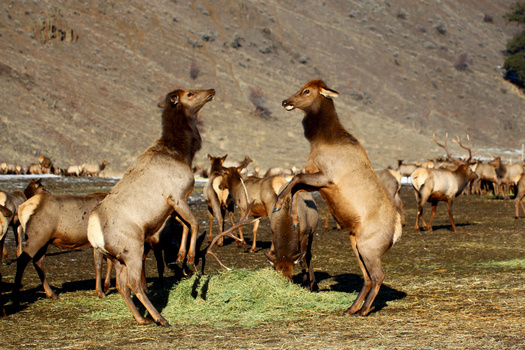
(160, 182)
(338, 167)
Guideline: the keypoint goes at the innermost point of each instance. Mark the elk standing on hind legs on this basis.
(160, 182)
(338, 167)
(437, 185)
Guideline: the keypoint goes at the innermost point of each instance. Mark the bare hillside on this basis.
(80, 80)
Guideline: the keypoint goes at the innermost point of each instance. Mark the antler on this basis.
(458, 141)
(444, 146)
(244, 221)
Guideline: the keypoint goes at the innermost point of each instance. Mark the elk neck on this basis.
(180, 136)
(323, 125)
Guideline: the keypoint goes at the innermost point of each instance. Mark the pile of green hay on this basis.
(236, 297)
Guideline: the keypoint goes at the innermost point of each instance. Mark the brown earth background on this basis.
(80, 80)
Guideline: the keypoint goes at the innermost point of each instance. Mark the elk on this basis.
(486, 176)
(278, 171)
(239, 164)
(73, 170)
(391, 181)
(262, 191)
(507, 174)
(406, 169)
(339, 168)
(218, 200)
(442, 184)
(46, 164)
(12, 200)
(58, 219)
(160, 182)
(291, 246)
(91, 169)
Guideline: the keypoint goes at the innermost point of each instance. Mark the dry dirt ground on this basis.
(443, 290)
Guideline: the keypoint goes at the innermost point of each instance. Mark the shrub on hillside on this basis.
(515, 61)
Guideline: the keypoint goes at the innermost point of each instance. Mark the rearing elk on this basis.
(437, 185)
(338, 167)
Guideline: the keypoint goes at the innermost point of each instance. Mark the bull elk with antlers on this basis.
(436, 185)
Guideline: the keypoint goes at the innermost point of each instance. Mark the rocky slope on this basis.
(80, 80)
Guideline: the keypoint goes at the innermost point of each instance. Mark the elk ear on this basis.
(297, 258)
(328, 93)
(270, 257)
(5, 212)
(172, 99)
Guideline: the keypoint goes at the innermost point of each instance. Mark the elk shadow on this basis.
(448, 227)
(350, 283)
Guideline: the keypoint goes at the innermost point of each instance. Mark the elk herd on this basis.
(148, 207)
(45, 166)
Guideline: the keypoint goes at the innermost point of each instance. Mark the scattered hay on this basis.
(509, 264)
(238, 297)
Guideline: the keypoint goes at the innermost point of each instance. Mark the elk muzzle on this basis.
(287, 105)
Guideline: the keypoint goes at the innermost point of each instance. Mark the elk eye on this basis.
(190, 94)
(306, 92)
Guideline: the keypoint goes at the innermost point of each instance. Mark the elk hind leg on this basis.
(38, 262)
(134, 269)
(367, 283)
(370, 263)
(124, 290)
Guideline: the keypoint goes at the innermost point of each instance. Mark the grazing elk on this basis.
(261, 191)
(12, 200)
(58, 219)
(160, 182)
(91, 169)
(46, 165)
(218, 200)
(507, 174)
(442, 184)
(291, 247)
(338, 167)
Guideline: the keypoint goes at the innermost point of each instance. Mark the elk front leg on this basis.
(307, 182)
(254, 243)
(189, 221)
(98, 258)
(449, 208)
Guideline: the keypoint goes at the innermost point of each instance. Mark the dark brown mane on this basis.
(323, 124)
(180, 135)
